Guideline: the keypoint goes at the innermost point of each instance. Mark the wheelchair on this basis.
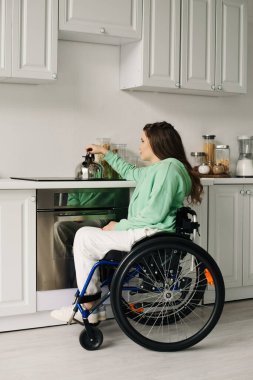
(166, 294)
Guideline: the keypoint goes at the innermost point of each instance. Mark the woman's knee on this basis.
(84, 238)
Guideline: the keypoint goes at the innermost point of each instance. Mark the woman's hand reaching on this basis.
(110, 226)
(96, 149)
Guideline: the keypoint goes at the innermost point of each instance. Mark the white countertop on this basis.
(12, 184)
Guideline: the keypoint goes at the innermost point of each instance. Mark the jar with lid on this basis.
(209, 148)
(106, 143)
(222, 155)
(198, 158)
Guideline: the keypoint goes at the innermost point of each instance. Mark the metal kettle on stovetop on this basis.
(91, 169)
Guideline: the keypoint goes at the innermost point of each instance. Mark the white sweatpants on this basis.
(91, 245)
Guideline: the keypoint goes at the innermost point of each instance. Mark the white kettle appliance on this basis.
(244, 167)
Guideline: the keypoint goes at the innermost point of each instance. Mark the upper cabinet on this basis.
(112, 21)
(5, 38)
(189, 46)
(28, 40)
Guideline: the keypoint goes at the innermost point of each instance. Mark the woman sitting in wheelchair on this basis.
(161, 189)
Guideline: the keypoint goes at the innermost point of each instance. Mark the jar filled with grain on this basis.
(222, 156)
(209, 148)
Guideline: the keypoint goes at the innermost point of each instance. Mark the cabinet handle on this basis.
(248, 192)
(177, 84)
(219, 87)
(33, 199)
(242, 192)
(213, 87)
(102, 30)
(54, 76)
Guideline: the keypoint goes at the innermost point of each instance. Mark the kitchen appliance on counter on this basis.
(244, 167)
(91, 169)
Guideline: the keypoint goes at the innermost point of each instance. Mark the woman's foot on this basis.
(64, 314)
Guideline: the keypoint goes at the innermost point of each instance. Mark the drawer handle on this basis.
(248, 192)
(242, 192)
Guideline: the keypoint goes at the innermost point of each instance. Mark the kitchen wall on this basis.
(44, 128)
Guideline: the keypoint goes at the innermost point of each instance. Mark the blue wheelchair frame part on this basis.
(86, 312)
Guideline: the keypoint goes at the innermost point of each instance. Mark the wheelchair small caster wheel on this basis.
(91, 343)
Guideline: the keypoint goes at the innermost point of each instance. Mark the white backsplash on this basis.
(44, 128)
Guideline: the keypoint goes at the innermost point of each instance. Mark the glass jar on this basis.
(107, 170)
(222, 155)
(209, 148)
(198, 158)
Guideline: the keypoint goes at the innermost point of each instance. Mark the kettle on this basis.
(91, 169)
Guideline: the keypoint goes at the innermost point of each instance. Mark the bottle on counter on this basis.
(209, 148)
(222, 157)
(198, 158)
(106, 143)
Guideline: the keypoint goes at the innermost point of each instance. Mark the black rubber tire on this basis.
(150, 247)
(89, 344)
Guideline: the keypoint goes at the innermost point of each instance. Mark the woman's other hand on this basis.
(96, 149)
(110, 226)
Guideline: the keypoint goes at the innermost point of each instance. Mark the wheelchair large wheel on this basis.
(167, 294)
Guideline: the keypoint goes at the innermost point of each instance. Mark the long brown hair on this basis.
(166, 142)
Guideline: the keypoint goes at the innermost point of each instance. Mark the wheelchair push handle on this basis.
(187, 225)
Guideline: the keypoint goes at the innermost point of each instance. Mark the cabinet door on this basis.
(100, 21)
(231, 48)
(5, 38)
(161, 43)
(35, 26)
(198, 44)
(17, 252)
(225, 231)
(248, 236)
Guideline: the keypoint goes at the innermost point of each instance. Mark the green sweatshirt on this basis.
(160, 190)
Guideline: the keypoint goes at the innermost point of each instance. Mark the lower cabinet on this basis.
(17, 252)
(230, 240)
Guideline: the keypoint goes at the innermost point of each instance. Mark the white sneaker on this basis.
(65, 313)
(98, 315)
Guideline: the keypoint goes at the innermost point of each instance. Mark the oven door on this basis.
(55, 236)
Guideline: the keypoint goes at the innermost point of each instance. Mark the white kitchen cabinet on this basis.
(29, 44)
(112, 21)
(230, 237)
(5, 38)
(214, 45)
(17, 252)
(189, 46)
(153, 63)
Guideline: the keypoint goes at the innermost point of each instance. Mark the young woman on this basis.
(160, 190)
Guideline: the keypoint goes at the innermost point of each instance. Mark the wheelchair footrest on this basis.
(88, 298)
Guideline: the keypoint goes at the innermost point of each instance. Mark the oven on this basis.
(60, 213)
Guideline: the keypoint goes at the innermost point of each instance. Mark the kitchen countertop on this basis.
(12, 184)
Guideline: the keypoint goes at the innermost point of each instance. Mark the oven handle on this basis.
(78, 212)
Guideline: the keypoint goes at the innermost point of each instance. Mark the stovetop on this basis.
(45, 179)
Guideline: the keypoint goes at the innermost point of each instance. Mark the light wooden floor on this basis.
(55, 354)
